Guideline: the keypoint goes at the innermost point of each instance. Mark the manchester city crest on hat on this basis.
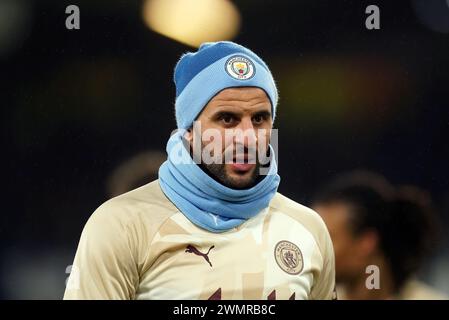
(240, 67)
(288, 257)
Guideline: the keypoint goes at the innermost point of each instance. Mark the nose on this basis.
(246, 133)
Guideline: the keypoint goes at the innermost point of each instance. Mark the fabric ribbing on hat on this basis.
(213, 79)
(208, 53)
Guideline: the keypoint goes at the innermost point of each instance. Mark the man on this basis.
(372, 223)
(209, 229)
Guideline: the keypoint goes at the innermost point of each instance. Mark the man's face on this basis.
(240, 121)
(352, 252)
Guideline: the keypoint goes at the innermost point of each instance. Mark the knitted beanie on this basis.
(200, 75)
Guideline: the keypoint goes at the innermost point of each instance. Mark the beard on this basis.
(239, 181)
(218, 172)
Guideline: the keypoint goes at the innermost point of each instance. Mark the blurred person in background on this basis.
(373, 223)
(134, 172)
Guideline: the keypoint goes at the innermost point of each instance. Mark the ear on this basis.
(189, 135)
(369, 242)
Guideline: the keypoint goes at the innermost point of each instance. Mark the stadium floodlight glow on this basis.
(192, 21)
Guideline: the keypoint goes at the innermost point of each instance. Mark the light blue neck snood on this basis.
(203, 200)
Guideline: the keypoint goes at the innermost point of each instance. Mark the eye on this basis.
(259, 119)
(227, 119)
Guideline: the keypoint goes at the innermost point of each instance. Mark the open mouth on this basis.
(243, 163)
(242, 167)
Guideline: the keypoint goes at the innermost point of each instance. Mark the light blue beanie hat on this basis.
(200, 75)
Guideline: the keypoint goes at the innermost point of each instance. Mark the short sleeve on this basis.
(104, 266)
(324, 285)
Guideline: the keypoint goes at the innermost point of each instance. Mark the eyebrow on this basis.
(220, 113)
(263, 113)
